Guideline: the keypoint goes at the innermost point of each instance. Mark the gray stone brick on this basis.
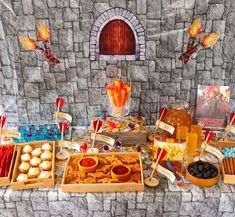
(226, 202)
(2, 34)
(141, 7)
(95, 202)
(138, 73)
(136, 213)
(215, 11)
(27, 6)
(201, 6)
(81, 96)
(33, 74)
(70, 14)
(172, 201)
(8, 213)
(24, 209)
(40, 9)
(118, 208)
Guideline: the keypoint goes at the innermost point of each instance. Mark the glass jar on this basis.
(118, 111)
(177, 116)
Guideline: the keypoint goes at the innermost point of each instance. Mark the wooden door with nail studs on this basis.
(117, 38)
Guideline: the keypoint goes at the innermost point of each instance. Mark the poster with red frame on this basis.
(212, 106)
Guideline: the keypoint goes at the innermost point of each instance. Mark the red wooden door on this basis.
(117, 38)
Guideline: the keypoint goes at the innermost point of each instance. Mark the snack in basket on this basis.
(24, 167)
(44, 175)
(22, 177)
(27, 149)
(118, 93)
(33, 172)
(25, 157)
(45, 165)
(103, 174)
(46, 147)
(35, 161)
(47, 155)
(37, 152)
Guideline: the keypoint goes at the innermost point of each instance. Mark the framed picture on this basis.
(212, 106)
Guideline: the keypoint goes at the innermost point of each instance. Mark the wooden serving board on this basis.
(102, 187)
(35, 182)
(5, 181)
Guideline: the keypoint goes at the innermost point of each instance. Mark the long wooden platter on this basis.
(104, 187)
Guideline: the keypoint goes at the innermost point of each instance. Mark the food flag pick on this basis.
(194, 31)
(208, 135)
(97, 124)
(151, 181)
(59, 104)
(2, 123)
(118, 93)
(30, 44)
(162, 113)
(232, 121)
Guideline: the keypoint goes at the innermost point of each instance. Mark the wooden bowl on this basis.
(88, 164)
(121, 172)
(199, 181)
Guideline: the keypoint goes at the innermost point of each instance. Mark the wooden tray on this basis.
(36, 182)
(4, 181)
(227, 178)
(105, 187)
(223, 144)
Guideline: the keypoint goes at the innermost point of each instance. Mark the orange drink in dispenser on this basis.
(181, 133)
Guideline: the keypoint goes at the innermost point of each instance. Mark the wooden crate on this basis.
(4, 181)
(35, 182)
(227, 178)
(105, 187)
(128, 137)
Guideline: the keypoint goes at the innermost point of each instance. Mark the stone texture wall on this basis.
(164, 201)
(28, 87)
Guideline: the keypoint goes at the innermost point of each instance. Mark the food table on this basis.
(167, 199)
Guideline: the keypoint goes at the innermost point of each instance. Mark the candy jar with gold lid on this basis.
(177, 115)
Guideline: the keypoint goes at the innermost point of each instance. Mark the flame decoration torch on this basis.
(30, 44)
(194, 31)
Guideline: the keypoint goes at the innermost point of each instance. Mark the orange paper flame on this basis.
(43, 32)
(210, 39)
(27, 43)
(195, 29)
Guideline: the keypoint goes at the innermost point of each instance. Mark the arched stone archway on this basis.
(134, 24)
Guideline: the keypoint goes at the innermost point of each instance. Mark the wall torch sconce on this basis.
(30, 44)
(194, 31)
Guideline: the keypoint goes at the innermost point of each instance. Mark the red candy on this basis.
(84, 147)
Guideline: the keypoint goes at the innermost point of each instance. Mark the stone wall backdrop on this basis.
(28, 87)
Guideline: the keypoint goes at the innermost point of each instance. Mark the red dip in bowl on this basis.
(120, 170)
(88, 162)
